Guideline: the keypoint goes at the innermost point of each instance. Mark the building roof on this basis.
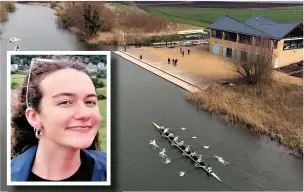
(259, 20)
(277, 31)
(255, 26)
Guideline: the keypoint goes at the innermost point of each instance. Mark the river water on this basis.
(138, 97)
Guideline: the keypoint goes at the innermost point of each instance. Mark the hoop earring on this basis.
(37, 133)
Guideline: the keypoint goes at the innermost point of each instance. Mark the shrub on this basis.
(14, 85)
(3, 12)
(98, 83)
(53, 4)
(10, 6)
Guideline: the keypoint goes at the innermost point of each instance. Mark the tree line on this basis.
(25, 60)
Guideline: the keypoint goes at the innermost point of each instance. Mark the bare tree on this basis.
(3, 13)
(10, 6)
(254, 61)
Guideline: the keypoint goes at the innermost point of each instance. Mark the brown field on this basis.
(273, 109)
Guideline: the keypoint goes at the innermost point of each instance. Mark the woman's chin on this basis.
(81, 144)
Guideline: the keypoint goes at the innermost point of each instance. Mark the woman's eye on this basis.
(64, 103)
(91, 102)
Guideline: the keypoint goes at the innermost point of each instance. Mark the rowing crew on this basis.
(186, 149)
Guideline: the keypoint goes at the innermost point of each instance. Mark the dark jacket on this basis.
(21, 166)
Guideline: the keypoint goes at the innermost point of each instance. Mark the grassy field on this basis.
(17, 78)
(102, 104)
(102, 91)
(205, 16)
(126, 8)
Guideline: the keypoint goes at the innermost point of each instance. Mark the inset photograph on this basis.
(58, 121)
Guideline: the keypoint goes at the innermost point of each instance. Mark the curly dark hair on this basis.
(23, 136)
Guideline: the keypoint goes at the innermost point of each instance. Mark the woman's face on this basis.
(69, 111)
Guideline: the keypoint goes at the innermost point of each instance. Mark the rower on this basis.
(171, 135)
(162, 127)
(209, 168)
(200, 159)
(187, 150)
(175, 139)
(165, 132)
(181, 143)
(192, 154)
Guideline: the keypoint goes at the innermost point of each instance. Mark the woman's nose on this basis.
(82, 113)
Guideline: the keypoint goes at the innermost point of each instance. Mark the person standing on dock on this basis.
(183, 53)
(175, 62)
(168, 60)
(188, 51)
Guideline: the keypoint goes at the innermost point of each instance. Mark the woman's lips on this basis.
(80, 129)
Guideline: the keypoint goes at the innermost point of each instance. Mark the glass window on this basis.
(275, 44)
(293, 44)
(286, 45)
(300, 43)
(230, 36)
(213, 33)
(218, 34)
(246, 39)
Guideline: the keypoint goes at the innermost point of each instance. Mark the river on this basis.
(138, 97)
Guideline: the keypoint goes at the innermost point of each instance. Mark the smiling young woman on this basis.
(55, 121)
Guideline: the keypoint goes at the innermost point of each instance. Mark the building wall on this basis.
(286, 57)
(224, 44)
(281, 57)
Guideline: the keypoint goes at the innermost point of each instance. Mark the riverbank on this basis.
(189, 81)
(122, 36)
(5, 8)
(273, 109)
(121, 33)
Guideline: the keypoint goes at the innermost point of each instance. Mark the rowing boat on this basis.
(197, 163)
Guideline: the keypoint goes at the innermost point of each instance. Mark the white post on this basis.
(123, 38)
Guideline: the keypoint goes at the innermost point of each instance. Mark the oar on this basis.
(181, 129)
(172, 146)
(181, 157)
(188, 138)
(192, 169)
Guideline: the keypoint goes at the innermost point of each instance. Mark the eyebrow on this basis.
(72, 95)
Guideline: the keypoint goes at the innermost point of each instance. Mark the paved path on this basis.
(188, 80)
